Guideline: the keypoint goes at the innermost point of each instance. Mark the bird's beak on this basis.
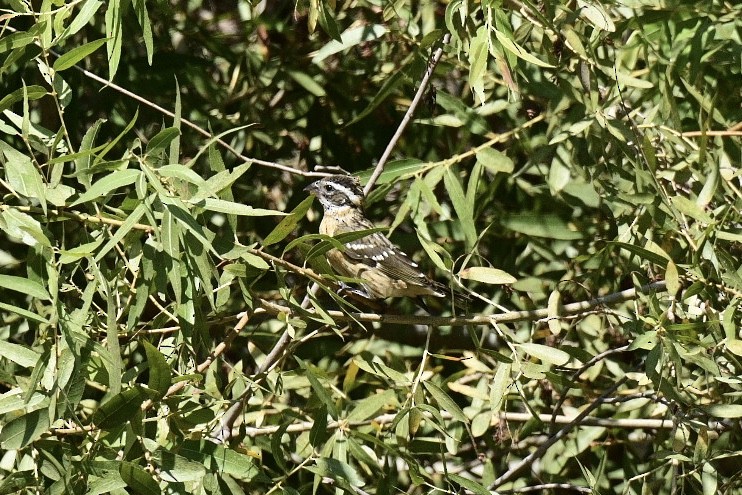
(311, 188)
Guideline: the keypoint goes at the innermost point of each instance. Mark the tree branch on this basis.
(408, 115)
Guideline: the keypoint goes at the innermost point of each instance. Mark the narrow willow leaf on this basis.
(220, 459)
(445, 401)
(32, 93)
(75, 55)
(288, 224)
(594, 13)
(139, 480)
(338, 470)
(24, 313)
(19, 354)
(119, 409)
(350, 38)
(672, 279)
(24, 430)
(306, 82)
(24, 285)
(468, 484)
(464, 211)
(114, 20)
(541, 225)
(487, 275)
(643, 253)
(321, 392)
(726, 411)
(370, 406)
(478, 56)
(115, 180)
(162, 139)
(222, 206)
(397, 169)
(124, 229)
(176, 468)
(545, 353)
(554, 310)
(23, 176)
(160, 377)
(181, 172)
(23, 227)
(140, 9)
(495, 161)
(87, 11)
(519, 51)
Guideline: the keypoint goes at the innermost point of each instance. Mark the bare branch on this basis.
(408, 115)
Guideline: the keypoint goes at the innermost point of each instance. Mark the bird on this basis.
(382, 268)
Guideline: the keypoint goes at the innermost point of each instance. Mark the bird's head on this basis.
(337, 191)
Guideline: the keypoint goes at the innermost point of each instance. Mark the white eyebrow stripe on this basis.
(347, 191)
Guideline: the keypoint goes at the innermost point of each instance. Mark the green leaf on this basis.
(445, 402)
(327, 21)
(545, 353)
(468, 484)
(139, 480)
(478, 56)
(72, 57)
(32, 93)
(24, 227)
(24, 313)
(121, 232)
(464, 210)
(487, 275)
(19, 354)
(176, 468)
(495, 161)
(306, 82)
(320, 391)
(140, 9)
(594, 13)
(397, 169)
(338, 471)
(23, 176)
(350, 38)
(230, 207)
(519, 51)
(162, 139)
(726, 411)
(643, 253)
(159, 370)
(119, 409)
(220, 459)
(21, 38)
(24, 430)
(115, 180)
(24, 285)
(87, 11)
(541, 225)
(288, 224)
(370, 406)
(114, 20)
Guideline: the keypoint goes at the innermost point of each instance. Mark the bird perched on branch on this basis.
(385, 271)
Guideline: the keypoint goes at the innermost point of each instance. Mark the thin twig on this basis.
(408, 115)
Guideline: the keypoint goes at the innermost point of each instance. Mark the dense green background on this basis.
(563, 151)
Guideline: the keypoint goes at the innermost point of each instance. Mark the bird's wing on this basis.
(377, 250)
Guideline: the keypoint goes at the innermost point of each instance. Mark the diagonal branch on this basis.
(408, 115)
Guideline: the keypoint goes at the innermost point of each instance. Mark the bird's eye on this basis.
(327, 188)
